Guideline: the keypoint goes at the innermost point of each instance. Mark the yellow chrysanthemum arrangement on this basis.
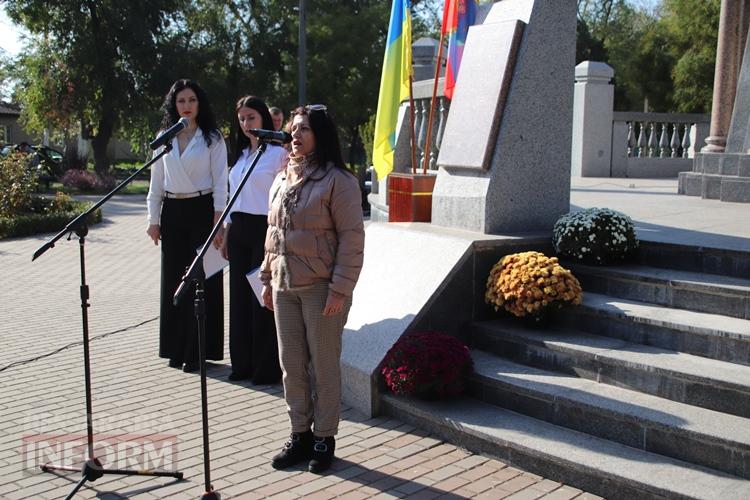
(529, 283)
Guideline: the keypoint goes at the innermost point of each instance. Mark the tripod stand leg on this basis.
(156, 473)
(76, 488)
(200, 316)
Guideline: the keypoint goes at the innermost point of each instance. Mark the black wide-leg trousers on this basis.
(185, 225)
(253, 347)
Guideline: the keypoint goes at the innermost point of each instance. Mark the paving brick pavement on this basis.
(136, 396)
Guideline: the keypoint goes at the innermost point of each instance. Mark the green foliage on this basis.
(347, 75)
(367, 133)
(588, 48)
(663, 58)
(693, 45)
(105, 66)
(92, 63)
(6, 75)
(17, 184)
(46, 215)
(615, 32)
(234, 48)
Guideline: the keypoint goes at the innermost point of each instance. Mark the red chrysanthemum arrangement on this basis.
(427, 365)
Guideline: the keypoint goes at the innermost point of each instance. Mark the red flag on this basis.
(458, 15)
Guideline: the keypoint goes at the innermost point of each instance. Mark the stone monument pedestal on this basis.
(504, 162)
(718, 176)
(725, 175)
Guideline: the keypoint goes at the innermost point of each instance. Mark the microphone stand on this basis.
(92, 469)
(196, 276)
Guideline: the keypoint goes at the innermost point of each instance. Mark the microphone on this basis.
(170, 133)
(271, 135)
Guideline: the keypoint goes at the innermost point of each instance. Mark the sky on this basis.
(9, 35)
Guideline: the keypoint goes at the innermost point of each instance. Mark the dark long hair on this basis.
(241, 141)
(327, 144)
(206, 120)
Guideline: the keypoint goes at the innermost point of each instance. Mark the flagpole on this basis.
(411, 129)
(428, 140)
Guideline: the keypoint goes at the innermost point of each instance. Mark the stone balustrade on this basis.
(615, 144)
(607, 143)
(655, 144)
(422, 102)
(658, 135)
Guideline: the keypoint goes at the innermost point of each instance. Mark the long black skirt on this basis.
(185, 225)
(253, 347)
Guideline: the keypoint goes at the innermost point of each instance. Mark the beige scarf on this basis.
(302, 167)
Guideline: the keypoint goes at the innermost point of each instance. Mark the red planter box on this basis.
(410, 197)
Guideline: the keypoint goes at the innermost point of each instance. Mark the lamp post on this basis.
(302, 53)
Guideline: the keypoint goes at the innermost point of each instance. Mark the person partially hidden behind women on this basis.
(314, 251)
(252, 332)
(187, 194)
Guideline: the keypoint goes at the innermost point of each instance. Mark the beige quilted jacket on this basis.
(326, 239)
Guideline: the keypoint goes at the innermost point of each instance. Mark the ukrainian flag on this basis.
(394, 86)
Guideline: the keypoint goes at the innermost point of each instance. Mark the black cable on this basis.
(74, 344)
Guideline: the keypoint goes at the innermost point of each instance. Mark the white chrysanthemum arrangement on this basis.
(595, 235)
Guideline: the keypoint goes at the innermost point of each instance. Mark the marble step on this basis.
(689, 433)
(702, 334)
(710, 293)
(612, 470)
(686, 378)
(695, 258)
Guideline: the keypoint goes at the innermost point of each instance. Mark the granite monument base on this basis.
(718, 176)
(525, 183)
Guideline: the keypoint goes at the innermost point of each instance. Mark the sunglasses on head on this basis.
(316, 107)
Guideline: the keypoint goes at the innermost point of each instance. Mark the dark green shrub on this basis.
(17, 184)
(46, 215)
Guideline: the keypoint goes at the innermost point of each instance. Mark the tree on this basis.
(663, 56)
(692, 44)
(105, 50)
(5, 75)
(76, 77)
(347, 75)
(588, 48)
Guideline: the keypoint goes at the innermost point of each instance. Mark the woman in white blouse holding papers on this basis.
(253, 348)
(187, 194)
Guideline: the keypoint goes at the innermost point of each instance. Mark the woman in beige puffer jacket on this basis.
(313, 255)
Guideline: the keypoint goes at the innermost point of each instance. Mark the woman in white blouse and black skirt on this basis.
(188, 192)
(252, 333)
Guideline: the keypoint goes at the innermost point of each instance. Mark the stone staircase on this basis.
(641, 392)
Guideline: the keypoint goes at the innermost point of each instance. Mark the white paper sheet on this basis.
(256, 284)
(213, 262)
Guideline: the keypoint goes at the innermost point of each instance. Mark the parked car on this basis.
(52, 159)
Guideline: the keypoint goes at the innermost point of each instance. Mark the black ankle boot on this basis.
(296, 450)
(322, 454)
